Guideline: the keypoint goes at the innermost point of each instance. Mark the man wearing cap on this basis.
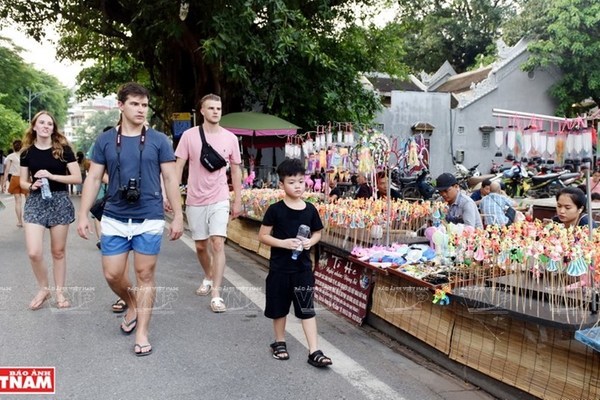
(463, 209)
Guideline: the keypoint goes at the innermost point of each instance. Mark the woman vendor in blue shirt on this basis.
(570, 208)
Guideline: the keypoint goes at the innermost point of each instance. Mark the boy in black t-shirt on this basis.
(291, 281)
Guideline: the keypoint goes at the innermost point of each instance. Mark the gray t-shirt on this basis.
(464, 211)
(157, 150)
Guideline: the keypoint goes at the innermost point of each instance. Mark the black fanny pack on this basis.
(209, 157)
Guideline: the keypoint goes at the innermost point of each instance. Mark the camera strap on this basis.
(141, 147)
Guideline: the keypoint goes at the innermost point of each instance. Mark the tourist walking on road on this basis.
(290, 279)
(47, 159)
(133, 218)
(207, 203)
(12, 172)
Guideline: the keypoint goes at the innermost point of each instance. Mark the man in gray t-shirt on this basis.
(462, 209)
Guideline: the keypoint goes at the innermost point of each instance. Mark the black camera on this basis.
(131, 192)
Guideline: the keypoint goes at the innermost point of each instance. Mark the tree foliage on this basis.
(298, 59)
(87, 132)
(570, 40)
(457, 31)
(12, 126)
(20, 83)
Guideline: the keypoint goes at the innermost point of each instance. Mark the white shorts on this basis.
(209, 220)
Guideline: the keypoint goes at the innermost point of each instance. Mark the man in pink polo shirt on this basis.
(207, 204)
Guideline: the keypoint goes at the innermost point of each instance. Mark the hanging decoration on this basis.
(571, 143)
(499, 140)
(511, 137)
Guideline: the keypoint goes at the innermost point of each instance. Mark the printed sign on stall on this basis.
(181, 123)
(342, 286)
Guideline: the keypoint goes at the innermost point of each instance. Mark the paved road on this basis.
(197, 354)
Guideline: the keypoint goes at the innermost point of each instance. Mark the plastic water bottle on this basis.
(303, 233)
(45, 188)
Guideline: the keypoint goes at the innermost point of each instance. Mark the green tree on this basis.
(293, 58)
(569, 39)
(12, 126)
(531, 21)
(21, 82)
(86, 133)
(457, 31)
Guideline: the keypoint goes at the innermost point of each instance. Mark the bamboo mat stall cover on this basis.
(544, 361)
(409, 308)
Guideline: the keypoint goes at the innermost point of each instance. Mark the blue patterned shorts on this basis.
(58, 210)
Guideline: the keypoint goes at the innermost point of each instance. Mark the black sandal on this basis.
(119, 306)
(279, 350)
(318, 359)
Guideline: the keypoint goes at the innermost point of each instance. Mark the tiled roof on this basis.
(462, 82)
(386, 84)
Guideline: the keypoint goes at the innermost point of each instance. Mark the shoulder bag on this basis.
(98, 207)
(209, 157)
(509, 211)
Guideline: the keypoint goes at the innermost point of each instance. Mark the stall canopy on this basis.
(259, 130)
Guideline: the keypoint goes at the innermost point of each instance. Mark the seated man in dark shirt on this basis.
(335, 191)
(485, 189)
(382, 187)
(364, 190)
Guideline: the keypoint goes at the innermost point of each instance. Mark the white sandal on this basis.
(205, 287)
(217, 305)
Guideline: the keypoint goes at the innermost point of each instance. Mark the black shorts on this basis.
(284, 289)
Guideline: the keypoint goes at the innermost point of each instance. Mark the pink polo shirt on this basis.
(204, 187)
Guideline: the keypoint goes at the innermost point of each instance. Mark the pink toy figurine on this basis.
(250, 179)
(318, 185)
(309, 182)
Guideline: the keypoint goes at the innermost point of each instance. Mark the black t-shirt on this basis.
(364, 191)
(394, 194)
(36, 159)
(285, 222)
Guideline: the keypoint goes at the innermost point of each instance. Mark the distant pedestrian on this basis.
(47, 156)
(291, 281)
(2, 169)
(208, 206)
(12, 172)
(83, 167)
(133, 218)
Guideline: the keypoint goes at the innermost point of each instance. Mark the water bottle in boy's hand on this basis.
(45, 188)
(303, 233)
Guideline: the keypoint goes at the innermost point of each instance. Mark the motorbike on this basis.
(414, 186)
(521, 181)
(469, 179)
(545, 186)
(514, 180)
